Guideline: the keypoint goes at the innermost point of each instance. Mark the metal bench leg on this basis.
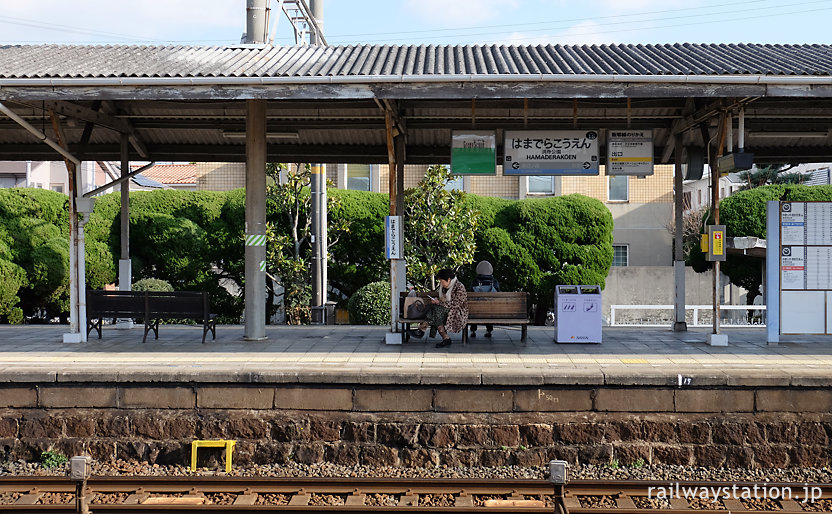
(465, 335)
(207, 326)
(523, 330)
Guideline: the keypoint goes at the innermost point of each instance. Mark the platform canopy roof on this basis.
(327, 104)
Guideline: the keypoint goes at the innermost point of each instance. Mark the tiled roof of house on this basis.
(128, 61)
(171, 174)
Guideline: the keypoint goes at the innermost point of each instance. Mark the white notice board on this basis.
(805, 265)
(806, 246)
(630, 152)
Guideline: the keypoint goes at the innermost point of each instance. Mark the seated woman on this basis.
(448, 311)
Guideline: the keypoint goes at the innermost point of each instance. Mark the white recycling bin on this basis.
(578, 314)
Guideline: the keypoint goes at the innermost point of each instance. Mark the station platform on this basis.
(339, 394)
(357, 354)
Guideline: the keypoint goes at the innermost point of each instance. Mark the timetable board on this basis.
(806, 246)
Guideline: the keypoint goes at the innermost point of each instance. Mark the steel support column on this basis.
(125, 271)
(255, 229)
(679, 324)
(317, 188)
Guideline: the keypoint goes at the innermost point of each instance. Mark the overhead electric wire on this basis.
(601, 25)
(555, 25)
(10, 20)
(560, 21)
(676, 25)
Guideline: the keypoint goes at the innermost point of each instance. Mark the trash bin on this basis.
(578, 314)
(324, 314)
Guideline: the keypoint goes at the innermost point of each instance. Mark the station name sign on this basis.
(551, 152)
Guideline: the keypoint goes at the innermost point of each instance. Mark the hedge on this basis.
(370, 305)
(194, 240)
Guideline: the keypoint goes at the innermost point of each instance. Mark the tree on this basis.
(744, 215)
(770, 174)
(288, 231)
(439, 228)
(357, 258)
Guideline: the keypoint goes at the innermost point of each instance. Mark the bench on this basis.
(500, 308)
(150, 306)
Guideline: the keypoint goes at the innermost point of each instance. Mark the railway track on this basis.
(226, 494)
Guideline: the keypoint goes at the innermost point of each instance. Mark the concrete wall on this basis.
(643, 228)
(654, 285)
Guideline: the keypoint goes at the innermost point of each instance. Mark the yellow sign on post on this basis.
(716, 242)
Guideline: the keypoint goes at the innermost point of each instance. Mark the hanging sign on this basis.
(395, 237)
(473, 152)
(551, 152)
(630, 152)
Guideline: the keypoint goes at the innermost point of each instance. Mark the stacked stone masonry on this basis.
(422, 425)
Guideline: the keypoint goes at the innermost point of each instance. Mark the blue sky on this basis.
(217, 22)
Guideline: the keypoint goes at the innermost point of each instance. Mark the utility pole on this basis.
(318, 201)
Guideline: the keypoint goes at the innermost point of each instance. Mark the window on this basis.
(722, 192)
(457, 182)
(359, 177)
(619, 188)
(543, 185)
(620, 255)
(58, 188)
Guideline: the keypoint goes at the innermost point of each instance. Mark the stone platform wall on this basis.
(422, 425)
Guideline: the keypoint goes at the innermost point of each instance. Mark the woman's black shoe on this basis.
(444, 343)
(417, 333)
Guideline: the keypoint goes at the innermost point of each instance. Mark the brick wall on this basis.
(422, 425)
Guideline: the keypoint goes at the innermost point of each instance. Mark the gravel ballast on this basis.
(660, 473)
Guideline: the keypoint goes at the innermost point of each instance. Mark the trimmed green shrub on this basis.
(12, 278)
(744, 212)
(535, 244)
(154, 285)
(172, 248)
(744, 215)
(370, 305)
(357, 257)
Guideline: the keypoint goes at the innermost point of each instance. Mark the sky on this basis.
(440, 22)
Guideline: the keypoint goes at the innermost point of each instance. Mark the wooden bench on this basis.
(506, 309)
(152, 307)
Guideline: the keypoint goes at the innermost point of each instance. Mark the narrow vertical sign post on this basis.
(394, 237)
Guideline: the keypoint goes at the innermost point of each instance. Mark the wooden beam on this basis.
(391, 160)
(89, 126)
(70, 166)
(670, 142)
(79, 112)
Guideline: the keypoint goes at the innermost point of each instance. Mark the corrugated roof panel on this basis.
(383, 63)
(76, 61)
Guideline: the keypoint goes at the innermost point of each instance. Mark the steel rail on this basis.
(461, 495)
